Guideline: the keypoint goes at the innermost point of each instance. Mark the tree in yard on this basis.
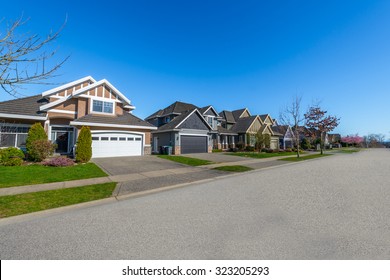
(267, 141)
(84, 145)
(24, 58)
(292, 116)
(317, 120)
(259, 141)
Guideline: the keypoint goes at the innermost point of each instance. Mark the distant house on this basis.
(286, 136)
(63, 110)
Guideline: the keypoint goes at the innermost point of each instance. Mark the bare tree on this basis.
(317, 120)
(24, 58)
(292, 116)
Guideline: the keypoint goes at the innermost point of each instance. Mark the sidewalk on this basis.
(254, 163)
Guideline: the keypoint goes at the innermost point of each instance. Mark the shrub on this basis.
(240, 146)
(276, 151)
(249, 149)
(263, 150)
(269, 151)
(305, 144)
(59, 161)
(41, 149)
(217, 150)
(11, 157)
(289, 150)
(36, 132)
(84, 145)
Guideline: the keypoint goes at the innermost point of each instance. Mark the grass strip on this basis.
(13, 205)
(186, 160)
(12, 176)
(233, 168)
(261, 155)
(304, 157)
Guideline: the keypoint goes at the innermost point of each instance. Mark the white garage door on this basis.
(116, 144)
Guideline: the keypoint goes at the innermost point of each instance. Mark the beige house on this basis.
(64, 110)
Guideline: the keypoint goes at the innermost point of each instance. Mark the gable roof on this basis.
(243, 124)
(177, 121)
(264, 118)
(68, 85)
(205, 109)
(238, 113)
(84, 89)
(227, 116)
(27, 107)
(125, 120)
(282, 129)
(175, 108)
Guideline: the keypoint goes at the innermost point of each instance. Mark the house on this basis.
(184, 127)
(286, 135)
(246, 126)
(63, 110)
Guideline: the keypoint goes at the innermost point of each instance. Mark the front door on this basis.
(62, 141)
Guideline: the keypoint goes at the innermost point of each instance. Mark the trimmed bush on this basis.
(267, 141)
(59, 162)
(84, 145)
(289, 150)
(36, 132)
(41, 149)
(269, 151)
(11, 156)
(217, 150)
(240, 146)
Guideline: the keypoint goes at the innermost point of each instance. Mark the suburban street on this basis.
(335, 207)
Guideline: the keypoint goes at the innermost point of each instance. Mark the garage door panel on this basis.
(193, 144)
(116, 144)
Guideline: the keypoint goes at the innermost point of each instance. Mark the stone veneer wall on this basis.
(177, 150)
(147, 150)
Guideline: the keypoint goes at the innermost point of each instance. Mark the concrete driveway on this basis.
(131, 165)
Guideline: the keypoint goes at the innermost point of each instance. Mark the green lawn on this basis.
(261, 155)
(234, 168)
(186, 160)
(301, 158)
(13, 205)
(38, 174)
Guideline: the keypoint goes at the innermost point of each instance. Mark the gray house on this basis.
(184, 127)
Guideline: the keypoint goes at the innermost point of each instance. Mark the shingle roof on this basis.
(125, 119)
(243, 124)
(24, 106)
(281, 129)
(177, 107)
(228, 116)
(222, 130)
(173, 123)
(238, 113)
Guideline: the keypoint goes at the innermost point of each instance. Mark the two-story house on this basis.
(184, 127)
(63, 110)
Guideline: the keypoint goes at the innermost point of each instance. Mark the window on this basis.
(130, 139)
(104, 139)
(137, 139)
(122, 138)
(210, 121)
(13, 135)
(114, 138)
(102, 106)
(95, 138)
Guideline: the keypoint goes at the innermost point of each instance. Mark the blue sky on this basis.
(230, 54)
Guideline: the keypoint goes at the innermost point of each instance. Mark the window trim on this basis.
(113, 103)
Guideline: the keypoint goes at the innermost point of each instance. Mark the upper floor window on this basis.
(102, 106)
(167, 119)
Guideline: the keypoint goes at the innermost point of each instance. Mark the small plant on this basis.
(289, 150)
(84, 145)
(269, 151)
(59, 162)
(11, 156)
(240, 146)
(217, 150)
(41, 149)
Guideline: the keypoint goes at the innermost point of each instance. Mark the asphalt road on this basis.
(337, 207)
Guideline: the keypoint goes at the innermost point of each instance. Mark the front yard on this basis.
(186, 160)
(13, 205)
(12, 176)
